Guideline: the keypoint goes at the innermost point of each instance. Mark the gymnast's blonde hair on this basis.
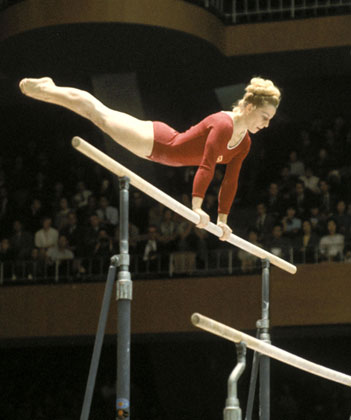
(260, 92)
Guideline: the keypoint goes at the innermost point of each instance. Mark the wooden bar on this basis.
(260, 346)
(138, 182)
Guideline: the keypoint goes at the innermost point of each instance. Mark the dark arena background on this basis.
(174, 61)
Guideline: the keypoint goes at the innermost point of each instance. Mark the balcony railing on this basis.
(253, 11)
(210, 263)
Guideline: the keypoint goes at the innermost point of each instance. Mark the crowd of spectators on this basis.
(53, 212)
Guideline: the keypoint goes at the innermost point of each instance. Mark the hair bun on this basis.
(261, 92)
(262, 87)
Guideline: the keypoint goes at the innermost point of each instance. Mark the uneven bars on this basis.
(261, 347)
(138, 182)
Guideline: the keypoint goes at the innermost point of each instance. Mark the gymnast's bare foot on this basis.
(37, 88)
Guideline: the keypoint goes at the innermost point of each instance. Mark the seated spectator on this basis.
(323, 164)
(342, 219)
(301, 199)
(34, 215)
(250, 263)
(306, 244)
(285, 184)
(326, 200)
(40, 185)
(151, 248)
(102, 252)
(317, 220)
(297, 168)
(185, 234)
(156, 214)
(21, 241)
(106, 189)
(329, 139)
(55, 196)
(139, 215)
(278, 244)
(263, 223)
(47, 236)
(340, 128)
(85, 212)
(108, 214)
(133, 237)
(202, 246)
(306, 147)
(103, 245)
(274, 201)
(5, 210)
(74, 234)
(291, 224)
(91, 234)
(62, 214)
(7, 259)
(331, 246)
(36, 265)
(61, 251)
(80, 199)
(310, 181)
(168, 231)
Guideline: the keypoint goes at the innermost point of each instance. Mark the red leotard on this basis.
(203, 145)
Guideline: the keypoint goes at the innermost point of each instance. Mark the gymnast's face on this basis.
(258, 118)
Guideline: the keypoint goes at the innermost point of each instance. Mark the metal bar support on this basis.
(124, 299)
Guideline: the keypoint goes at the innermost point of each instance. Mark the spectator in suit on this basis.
(342, 219)
(291, 224)
(21, 241)
(151, 248)
(139, 216)
(326, 198)
(306, 244)
(5, 210)
(278, 244)
(317, 220)
(274, 201)
(34, 215)
(301, 199)
(91, 234)
(74, 234)
(85, 212)
(168, 231)
(263, 223)
(6, 258)
(80, 199)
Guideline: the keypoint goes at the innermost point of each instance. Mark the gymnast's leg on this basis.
(135, 135)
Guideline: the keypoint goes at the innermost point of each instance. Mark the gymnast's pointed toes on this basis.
(35, 87)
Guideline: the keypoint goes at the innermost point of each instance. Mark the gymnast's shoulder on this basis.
(222, 120)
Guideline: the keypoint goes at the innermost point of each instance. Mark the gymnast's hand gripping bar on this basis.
(138, 182)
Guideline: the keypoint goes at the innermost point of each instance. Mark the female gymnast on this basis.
(222, 137)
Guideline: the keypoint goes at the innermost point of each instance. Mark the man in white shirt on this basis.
(47, 236)
(61, 251)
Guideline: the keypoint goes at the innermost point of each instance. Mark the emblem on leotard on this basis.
(220, 158)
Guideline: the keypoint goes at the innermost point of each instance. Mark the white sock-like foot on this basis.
(36, 88)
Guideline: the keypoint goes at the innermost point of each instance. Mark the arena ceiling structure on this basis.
(169, 42)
